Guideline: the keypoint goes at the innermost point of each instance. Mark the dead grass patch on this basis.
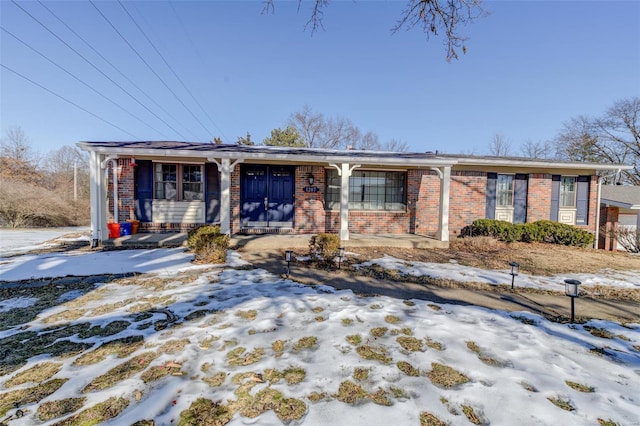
(379, 331)
(119, 347)
(410, 343)
(407, 369)
(562, 403)
(374, 353)
(320, 318)
(36, 374)
(317, 396)
(216, 380)
(433, 344)
(361, 374)
(53, 409)
(523, 320)
(354, 339)
(580, 387)
(121, 372)
(294, 375)
(435, 307)
(173, 346)
(347, 321)
(249, 315)
(603, 422)
(350, 392)
(68, 315)
(108, 308)
(318, 309)
(483, 356)
(392, 319)
(308, 342)
(428, 419)
(405, 330)
(240, 357)
(109, 329)
(445, 376)
(471, 415)
(528, 386)
(203, 411)
(29, 395)
(208, 341)
(278, 347)
(157, 372)
(599, 332)
(375, 306)
(101, 412)
(409, 302)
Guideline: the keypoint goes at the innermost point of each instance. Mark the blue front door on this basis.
(266, 196)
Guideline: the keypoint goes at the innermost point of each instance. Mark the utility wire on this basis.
(97, 68)
(150, 67)
(97, 52)
(195, 49)
(80, 80)
(172, 70)
(71, 102)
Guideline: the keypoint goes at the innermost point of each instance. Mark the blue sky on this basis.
(530, 66)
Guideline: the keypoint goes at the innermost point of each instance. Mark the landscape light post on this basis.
(287, 258)
(515, 266)
(571, 290)
(340, 255)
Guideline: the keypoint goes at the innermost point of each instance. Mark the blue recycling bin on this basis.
(125, 228)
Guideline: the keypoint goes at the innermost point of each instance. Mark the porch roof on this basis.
(317, 155)
(627, 197)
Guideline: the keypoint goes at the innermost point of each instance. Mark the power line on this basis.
(150, 67)
(67, 100)
(97, 52)
(172, 70)
(80, 80)
(97, 68)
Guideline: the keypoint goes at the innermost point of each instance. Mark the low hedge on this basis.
(542, 231)
(208, 244)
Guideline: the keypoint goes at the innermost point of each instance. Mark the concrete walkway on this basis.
(551, 306)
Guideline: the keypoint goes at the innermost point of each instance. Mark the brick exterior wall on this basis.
(126, 191)
(467, 199)
(539, 197)
(467, 203)
(309, 207)
(609, 217)
(423, 199)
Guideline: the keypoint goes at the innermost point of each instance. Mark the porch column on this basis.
(98, 198)
(443, 223)
(226, 168)
(638, 221)
(345, 173)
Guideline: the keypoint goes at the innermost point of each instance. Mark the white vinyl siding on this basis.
(168, 211)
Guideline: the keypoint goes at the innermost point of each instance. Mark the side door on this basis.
(254, 195)
(280, 196)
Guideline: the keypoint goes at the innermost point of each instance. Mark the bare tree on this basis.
(395, 145)
(310, 126)
(538, 149)
(434, 17)
(612, 138)
(319, 132)
(499, 146)
(17, 146)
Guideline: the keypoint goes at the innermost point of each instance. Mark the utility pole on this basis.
(75, 181)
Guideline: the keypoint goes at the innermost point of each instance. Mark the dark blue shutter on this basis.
(212, 192)
(492, 179)
(144, 190)
(555, 197)
(520, 198)
(582, 200)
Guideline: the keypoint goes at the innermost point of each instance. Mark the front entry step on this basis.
(266, 230)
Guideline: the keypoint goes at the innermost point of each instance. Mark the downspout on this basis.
(114, 166)
(599, 198)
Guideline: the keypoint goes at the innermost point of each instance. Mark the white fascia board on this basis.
(541, 164)
(383, 160)
(620, 204)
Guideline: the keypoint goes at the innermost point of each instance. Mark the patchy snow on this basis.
(16, 302)
(16, 241)
(457, 272)
(536, 357)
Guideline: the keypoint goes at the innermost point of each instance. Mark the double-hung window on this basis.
(368, 190)
(568, 192)
(178, 182)
(504, 191)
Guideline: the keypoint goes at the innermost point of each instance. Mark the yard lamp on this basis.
(287, 258)
(340, 255)
(515, 266)
(571, 290)
(311, 179)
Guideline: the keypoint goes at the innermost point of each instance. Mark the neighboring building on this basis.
(619, 207)
(172, 186)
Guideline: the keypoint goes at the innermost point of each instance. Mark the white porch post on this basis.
(98, 197)
(226, 168)
(445, 183)
(345, 173)
(638, 221)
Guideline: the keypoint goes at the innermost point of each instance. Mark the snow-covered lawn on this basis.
(258, 345)
(15, 241)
